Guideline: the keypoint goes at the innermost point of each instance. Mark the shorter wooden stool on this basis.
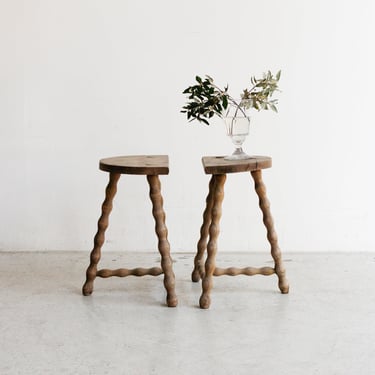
(152, 166)
(218, 168)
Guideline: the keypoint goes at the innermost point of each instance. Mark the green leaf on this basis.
(273, 107)
(225, 102)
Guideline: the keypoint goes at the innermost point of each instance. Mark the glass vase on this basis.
(237, 128)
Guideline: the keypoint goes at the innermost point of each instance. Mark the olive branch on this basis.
(206, 99)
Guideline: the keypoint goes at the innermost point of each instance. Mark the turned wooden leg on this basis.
(198, 271)
(264, 205)
(162, 233)
(214, 229)
(99, 238)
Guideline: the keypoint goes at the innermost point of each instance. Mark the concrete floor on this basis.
(326, 325)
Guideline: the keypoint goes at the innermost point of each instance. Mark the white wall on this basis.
(81, 80)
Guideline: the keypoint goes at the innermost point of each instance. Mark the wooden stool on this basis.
(218, 168)
(152, 166)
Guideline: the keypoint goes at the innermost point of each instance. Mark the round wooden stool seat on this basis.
(136, 164)
(218, 165)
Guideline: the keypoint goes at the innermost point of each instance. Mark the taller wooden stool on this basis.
(218, 168)
(152, 166)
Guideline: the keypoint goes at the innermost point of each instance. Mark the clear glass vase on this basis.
(237, 128)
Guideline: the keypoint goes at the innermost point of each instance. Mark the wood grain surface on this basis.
(136, 164)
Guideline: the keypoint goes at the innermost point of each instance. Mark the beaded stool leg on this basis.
(162, 234)
(99, 238)
(198, 272)
(214, 229)
(264, 205)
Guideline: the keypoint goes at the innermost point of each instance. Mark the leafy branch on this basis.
(206, 100)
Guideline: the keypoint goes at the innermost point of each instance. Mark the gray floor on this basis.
(326, 325)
